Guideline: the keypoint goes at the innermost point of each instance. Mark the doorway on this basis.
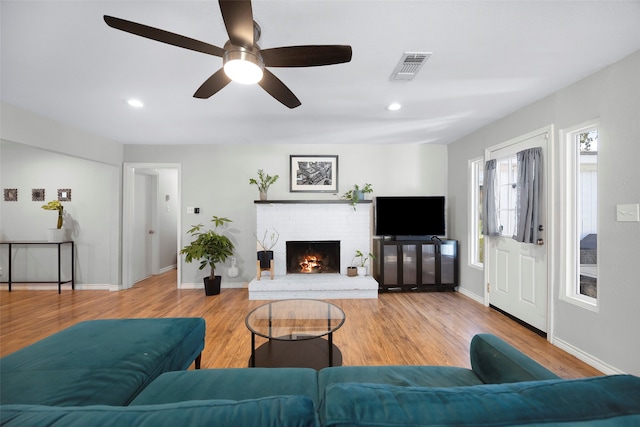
(517, 274)
(146, 204)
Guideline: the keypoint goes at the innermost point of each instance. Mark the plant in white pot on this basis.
(263, 182)
(211, 248)
(357, 193)
(360, 262)
(56, 234)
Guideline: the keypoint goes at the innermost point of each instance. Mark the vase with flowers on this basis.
(263, 182)
(57, 234)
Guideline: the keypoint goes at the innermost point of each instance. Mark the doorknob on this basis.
(540, 242)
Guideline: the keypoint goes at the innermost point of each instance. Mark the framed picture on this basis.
(10, 194)
(64, 194)
(37, 194)
(313, 174)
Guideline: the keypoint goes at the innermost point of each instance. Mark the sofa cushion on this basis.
(232, 384)
(425, 376)
(294, 411)
(99, 362)
(495, 361)
(610, 400)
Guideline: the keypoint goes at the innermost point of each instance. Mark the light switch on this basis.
(189, 210)
(628, 213)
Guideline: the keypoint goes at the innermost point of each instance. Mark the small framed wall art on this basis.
(64, 194)
(37, 194)
(10, 194)
(313, 174)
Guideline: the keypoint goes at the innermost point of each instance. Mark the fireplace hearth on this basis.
(313, 257)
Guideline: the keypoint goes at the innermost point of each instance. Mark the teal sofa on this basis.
(106, 362)
(502, 387)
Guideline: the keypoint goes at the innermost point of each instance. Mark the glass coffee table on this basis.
(295, 329)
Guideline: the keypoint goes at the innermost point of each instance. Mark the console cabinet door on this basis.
(429, 276)
(449, 262)
(390, 264)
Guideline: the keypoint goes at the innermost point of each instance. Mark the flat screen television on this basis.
(410, 216)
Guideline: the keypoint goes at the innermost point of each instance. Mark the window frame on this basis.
(476, 240)
(570, 266)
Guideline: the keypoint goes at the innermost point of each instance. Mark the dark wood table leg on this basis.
(59, 274)
(9, 279)
(253, 350)
(330, 348)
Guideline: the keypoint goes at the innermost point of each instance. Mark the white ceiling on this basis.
(60, 59)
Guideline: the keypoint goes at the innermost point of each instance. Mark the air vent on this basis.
(409, 65)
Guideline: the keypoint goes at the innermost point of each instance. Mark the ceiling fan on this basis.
(243, 60)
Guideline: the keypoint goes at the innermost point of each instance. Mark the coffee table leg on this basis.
(330, 349)
(253, 350)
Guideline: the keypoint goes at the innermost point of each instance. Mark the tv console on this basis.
(418, 265)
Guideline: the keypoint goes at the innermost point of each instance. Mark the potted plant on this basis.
(357, 193)
(55, 234)
(263, 182)
(211, 248)
(266, 243)
(360, 262)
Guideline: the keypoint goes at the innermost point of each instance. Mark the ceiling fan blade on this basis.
(213, 84)
(278, 90)
(162, 36)
(238, 19)
(306, 56)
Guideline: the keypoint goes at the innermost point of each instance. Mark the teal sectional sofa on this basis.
(106, 362)
(502, 387)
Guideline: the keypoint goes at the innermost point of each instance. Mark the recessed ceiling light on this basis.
(136, 103)
(394, 106)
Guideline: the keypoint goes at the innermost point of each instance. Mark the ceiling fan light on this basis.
(242, 71)
(243, 66)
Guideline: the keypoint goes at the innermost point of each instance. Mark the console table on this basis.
(60, 282)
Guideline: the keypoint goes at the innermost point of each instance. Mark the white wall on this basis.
(607, 338)
(92, 215)
(37, 152)
(215, 178)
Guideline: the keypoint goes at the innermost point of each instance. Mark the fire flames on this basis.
(311, 264)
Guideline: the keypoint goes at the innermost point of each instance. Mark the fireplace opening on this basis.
(311, 257)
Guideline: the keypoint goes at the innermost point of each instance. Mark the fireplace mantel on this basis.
(310, 202)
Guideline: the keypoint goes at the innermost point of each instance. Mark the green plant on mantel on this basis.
(263, 182)
(209, 246)
(55, 205)
(357, 193)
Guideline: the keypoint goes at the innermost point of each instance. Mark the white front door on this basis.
(516, 273)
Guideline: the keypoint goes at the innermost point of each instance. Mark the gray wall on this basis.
(607, 338)
(215, 178)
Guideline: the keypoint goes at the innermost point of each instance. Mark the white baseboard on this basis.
(169, 268)
(468, 293)
(586, 358)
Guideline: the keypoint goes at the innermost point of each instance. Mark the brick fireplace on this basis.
(328, 221)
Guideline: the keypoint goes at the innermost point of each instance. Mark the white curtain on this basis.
(490, 225)
(528, 186)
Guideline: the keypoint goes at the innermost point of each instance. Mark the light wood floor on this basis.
(396, 329)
